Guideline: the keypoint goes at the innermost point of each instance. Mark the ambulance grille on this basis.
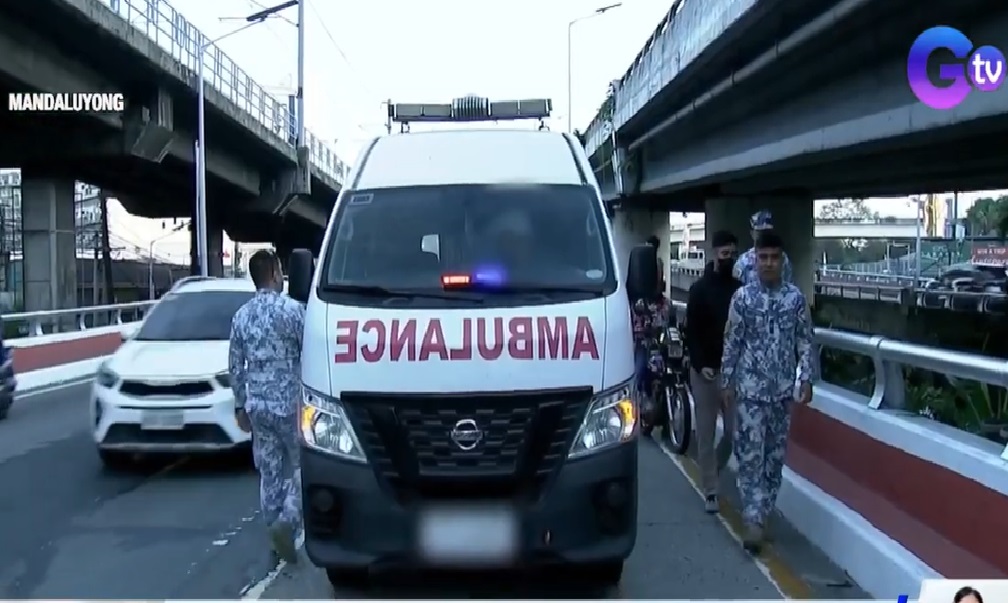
(525, 440)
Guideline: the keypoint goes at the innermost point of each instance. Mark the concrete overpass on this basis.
(258, 187)
(739, 105)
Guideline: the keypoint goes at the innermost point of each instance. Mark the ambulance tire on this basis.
(606, 574)
(348, 577)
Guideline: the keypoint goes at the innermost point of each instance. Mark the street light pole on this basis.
(570, 59)
(201, 198)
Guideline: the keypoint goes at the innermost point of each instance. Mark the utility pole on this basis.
(106, 250)
(96, 246)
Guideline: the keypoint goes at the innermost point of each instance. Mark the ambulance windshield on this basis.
(533, 236)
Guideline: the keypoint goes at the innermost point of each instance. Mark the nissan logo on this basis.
(466, 434)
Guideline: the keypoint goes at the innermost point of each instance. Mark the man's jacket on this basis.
(706, 315)
(265, 353)
(767, 339)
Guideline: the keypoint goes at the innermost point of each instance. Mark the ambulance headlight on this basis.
(325, 427)
(611, 420)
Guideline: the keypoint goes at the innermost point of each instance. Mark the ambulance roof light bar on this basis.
(469, 109)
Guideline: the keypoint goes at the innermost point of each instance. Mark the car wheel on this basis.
(114, 460)
(347, 577)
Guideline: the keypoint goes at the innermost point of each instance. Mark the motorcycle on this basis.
(669, 406)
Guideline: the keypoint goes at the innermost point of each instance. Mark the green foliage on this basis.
(988, 216)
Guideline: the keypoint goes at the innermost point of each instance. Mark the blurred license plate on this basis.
(468, 536)
(162, 420)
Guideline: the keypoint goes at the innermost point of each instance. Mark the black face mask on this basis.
(725, 266)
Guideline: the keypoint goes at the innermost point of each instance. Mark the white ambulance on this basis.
(468, 358)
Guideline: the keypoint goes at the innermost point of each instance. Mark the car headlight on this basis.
(224, 379)
(325, 427)
(105, 377)
(611, 420)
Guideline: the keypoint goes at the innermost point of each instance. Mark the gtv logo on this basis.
(984, 67)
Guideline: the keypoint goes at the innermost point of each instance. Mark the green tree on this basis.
(988, 216)
(847, 209)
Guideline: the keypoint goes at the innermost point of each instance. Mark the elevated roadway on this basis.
(146, 50)
(810, 98)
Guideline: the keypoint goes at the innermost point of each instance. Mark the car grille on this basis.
(185, 389)
(190, 434)
(526, 437)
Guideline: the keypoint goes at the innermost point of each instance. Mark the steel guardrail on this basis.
(164, 25)
(48, 322)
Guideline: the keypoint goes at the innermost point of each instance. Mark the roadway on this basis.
(188, 528)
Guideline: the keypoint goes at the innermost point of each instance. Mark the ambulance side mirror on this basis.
(299, 274)
(642, 272)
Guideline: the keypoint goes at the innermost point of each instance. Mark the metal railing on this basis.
(164, 25)
(46, 322)
(685, 31)
(892, 289)
(889, 358)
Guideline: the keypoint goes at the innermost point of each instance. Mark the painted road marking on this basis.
(785, 580)
(255, 591)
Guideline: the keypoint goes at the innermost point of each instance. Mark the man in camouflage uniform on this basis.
(768, 339)
(265, 367)
(745, 266)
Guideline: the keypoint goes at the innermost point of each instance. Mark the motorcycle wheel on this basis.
(678, 418)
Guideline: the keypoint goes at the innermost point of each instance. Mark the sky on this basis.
(360, 54)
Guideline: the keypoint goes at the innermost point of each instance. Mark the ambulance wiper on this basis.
(379, 291)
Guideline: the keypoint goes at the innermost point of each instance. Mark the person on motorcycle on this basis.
(649, 315)
(767, 341)
(745, 267)
(8, 380)
(706, 315)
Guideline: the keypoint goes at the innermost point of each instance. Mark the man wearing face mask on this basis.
(265, 365)
(706, 315)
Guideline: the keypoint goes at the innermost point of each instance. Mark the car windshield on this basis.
(193, 316)
(533, 237)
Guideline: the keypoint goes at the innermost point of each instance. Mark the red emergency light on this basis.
(455, 280)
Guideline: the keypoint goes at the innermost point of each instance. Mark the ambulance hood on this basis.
(459, 350)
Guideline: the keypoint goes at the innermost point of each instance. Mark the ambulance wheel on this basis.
(114, 460)
(347, 577)
(606, 574)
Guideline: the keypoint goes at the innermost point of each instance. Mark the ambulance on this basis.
(468, 359)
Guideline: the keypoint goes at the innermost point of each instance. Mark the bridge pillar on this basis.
(632, 227)
(793, 220)
(48, 229)
(215, 247)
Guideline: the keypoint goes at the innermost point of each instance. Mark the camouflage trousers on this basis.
(761, 431)
(277, 456)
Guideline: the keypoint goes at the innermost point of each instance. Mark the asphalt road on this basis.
(189, 529)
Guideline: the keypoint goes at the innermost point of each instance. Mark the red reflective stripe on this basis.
(47, 355)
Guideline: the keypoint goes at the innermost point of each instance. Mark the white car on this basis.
(167, 389)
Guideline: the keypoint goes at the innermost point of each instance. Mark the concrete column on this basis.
(47, 227)
(632, 227)
(793, 220)
(215, 249)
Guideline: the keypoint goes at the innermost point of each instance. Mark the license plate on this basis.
(468, 536)
(160, 420)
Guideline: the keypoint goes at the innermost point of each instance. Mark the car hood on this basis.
(169, 359)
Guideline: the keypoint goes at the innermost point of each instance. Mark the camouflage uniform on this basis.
(745, 268)
(265, 367)
(768, 338)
